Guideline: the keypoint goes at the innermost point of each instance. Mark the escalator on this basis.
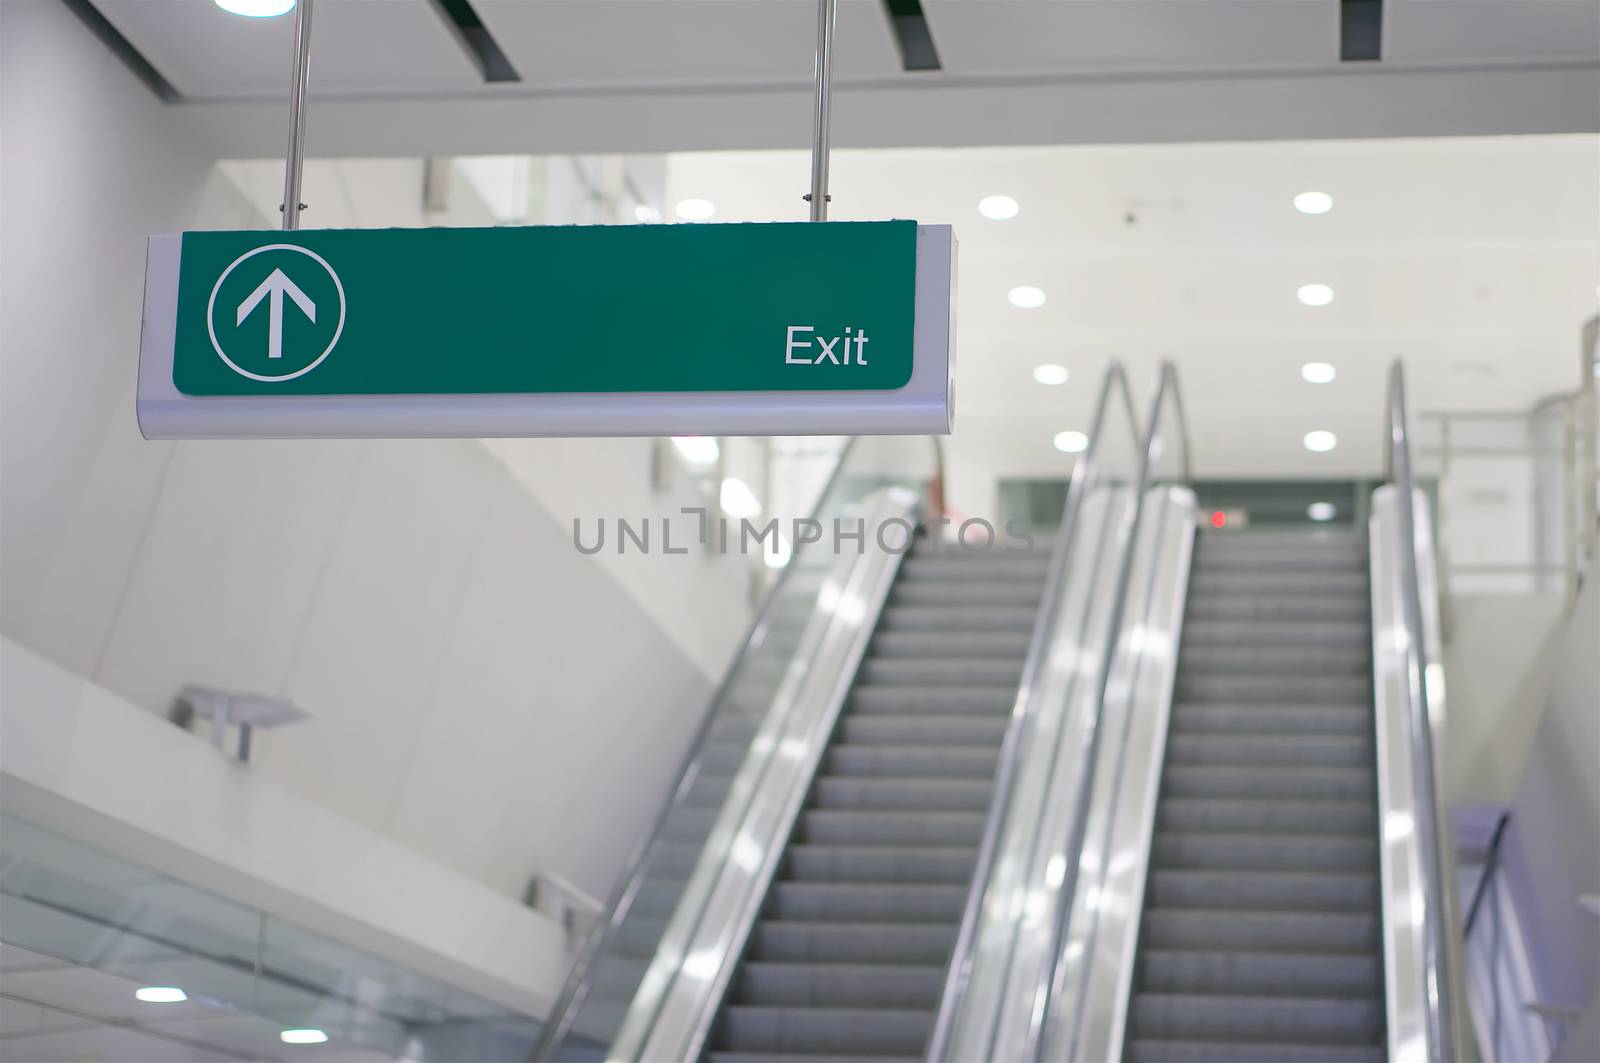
(1259, 938)
(850, 952)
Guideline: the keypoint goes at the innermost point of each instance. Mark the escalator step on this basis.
(1323, 607)
(898, 1031)
(996, 565)
(1207, 1017)
(838, 985)
(1199, 718)
(1294, 582)
(1245, 780)
(861, 902)
(1266, 890)
(843, 827)
(1235, 816)
(1198, 851)
(1266, 973)
(1286, 688)
(962, 672)
(1333, 636)
(954, 761)
(923, 729)
(944, 865)
(907, 795)
(925, 645)
(791, 942)
(1011, 618)
(1311, 750)
(955, 700)
(967, 594)
(1198, 928)
(806, 1057)
(1150, 1051)
(1305, 659)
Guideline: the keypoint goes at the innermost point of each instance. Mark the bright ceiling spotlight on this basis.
(161, 994)
(1050, 375)
(1026, 296)
(1322, 511)
(998, 208)
(1320, 441)
(306, 1036)
(697, 450)
(1318, 373)
(1313, 202)
(1071, 442)
(696, 209)
(257, 8)
(1314, 294)
(645, 214)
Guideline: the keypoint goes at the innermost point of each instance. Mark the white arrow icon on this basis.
(276, 285)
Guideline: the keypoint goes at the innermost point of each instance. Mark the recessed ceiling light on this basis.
(645, 214)
(1071, 442)
(1313, 202)
(1320, 441)
(1321, 511)
(161, 994)
(257, 8)
(696, 209)
(737, 499)
(1314, 294)
(307, 1036)
(998, 207)
(1318, 373)
(697, 450)
(1050, 374)
(1026, 296)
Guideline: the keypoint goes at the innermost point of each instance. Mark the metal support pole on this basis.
(294, 162)
(827, 10)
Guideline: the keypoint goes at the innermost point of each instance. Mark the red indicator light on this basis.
(1219, 519)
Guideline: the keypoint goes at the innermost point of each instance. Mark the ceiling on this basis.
(52, 1010)
(1474, 260)
(396, 77)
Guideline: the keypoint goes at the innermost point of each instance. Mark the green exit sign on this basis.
(839, 327)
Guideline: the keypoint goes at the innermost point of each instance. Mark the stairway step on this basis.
(1210, 929)
(1265, 890)
(1201, 1017)
(1229, 815)
(1310, 750)
(945, 864)
(1245, 780)
(872, 728)
(952, 761)
(1269, 718)
(1320, 974)
(1012, 618)
(968, 670)
(1306, 660)
(923, 645)
(905, 795)
(1152, 1051)
(1330, 635)
(836, 985)
(927, 699)
(825, 1030)
(839, 827)
(1195, 851)
(909, 943)
(864, 902)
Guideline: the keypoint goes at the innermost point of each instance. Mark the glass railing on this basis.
(694, 837)
(1002, 959)
(236, 965)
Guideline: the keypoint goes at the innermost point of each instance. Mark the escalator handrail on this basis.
(576, 987)
(1437, 942)
(1167, 386)
(958, 974)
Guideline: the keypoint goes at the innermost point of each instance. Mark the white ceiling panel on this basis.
(1502, 30)
(358, 47)
(685, 42)
(1001, 35)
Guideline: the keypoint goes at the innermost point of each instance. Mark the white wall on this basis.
(482, 693)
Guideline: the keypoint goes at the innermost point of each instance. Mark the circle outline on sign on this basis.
(211, 306)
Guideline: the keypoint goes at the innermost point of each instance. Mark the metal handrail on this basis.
(1024, 712)
(1165, 386)
(1437, 950)
(575, 989)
